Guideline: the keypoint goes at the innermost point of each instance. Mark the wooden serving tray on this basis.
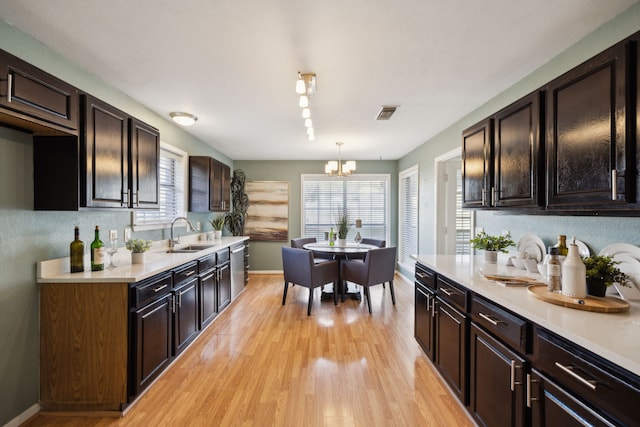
(589, 303)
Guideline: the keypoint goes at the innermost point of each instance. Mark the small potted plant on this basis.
(602, 272)
(491, 245)
(218, 225)
(342, 227)
(138, 248)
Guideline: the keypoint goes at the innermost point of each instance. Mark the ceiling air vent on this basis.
(386, 112)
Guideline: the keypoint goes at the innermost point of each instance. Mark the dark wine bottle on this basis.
(97, 252)
(76, 250)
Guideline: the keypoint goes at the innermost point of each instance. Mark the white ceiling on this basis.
(234, 63)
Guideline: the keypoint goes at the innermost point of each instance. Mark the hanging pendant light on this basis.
(338, 168)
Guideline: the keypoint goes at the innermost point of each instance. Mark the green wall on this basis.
(27, 236)
(266, 256)
(595, 231)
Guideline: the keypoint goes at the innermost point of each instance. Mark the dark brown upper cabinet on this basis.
(209, 185)
(113, 163)
(477, 165)
(590, 149)
(518, 156)
(35, 101)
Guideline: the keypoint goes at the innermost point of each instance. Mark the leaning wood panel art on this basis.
(268, 213)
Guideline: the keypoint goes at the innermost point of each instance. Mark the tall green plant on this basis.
(342, 224)
(236, 219)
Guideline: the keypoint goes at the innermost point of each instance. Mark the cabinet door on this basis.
(186, 320)
(224, 286)
(589, 148)
(145, 161)
(477, 165)
(496, 382)
(517, 151)
(208, 304)
(552, 406)
(107, 155)
(451, 348)
(36, 100)
(152, 342)
(199, 181)
(424, 326)
(220, 186)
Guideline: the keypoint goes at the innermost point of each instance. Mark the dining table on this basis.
(341, 253)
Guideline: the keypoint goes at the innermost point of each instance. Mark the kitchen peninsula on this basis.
(550, 358)
(107, 335)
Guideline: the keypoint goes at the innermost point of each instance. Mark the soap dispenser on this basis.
(574, 274)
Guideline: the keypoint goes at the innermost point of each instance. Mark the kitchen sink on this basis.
(189, 249)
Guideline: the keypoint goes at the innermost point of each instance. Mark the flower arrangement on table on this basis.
(137, 246)
(487, 242)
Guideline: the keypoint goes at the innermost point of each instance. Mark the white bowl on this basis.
(531, 265)
(518, 262)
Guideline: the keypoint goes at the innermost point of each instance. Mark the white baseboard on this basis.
(23, 417)
(265, 271)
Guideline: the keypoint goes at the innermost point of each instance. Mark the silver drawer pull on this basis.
(9, 84)
(614, 185)
(159, 288)
(190, 273)
(421, 275)
(447, 292)
(530, 398)
(569, 370)
(489, 319)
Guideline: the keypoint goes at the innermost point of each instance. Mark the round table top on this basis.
(351, 248)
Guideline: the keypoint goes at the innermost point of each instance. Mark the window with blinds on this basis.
(363, 196)
(172, 169)
(408, 215)
(463, 220)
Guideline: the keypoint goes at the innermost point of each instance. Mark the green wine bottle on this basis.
(97, 252)
(76, 249)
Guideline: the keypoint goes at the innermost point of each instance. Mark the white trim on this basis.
(23, 417)
(438, 195)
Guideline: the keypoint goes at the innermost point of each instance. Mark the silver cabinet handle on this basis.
(489, 319)
(513, 381)
(159, 288)
(493, 195)
(433, 308)
(235, 251)
(189, 273)
(9, 85)
(173, 304)
(125, 198)
(614, 186)
(483, 196)
(530, 398)
(569, 370)
(447, 292)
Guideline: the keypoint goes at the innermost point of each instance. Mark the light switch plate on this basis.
(113, 234)
(127, 234)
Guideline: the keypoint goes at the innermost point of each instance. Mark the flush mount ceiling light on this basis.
(305, 86)
(337, 167)
(184, 119)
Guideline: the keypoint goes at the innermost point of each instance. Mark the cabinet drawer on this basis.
(206, 263)
(502, 324)
(604, 386)
(149, 290)
(222, 256)
(184, 272)
(425, 276)
(453, 293)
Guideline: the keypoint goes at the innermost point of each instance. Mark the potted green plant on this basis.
(342, 227)
(138, 248)
(491, 245)
(602, 272)
(218, 225)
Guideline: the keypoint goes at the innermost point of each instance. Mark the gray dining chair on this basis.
(377, 268)
(374, 242)
(301, 241)
(299, 269)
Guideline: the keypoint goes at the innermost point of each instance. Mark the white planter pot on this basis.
(138, 257)
(490, 257)
(341, 243)
(217, 234)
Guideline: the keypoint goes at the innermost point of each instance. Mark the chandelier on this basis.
(337, 167)
(305, 86)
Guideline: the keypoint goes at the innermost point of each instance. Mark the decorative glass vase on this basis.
(358, 238)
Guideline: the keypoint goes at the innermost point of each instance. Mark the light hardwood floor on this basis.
(264, 364)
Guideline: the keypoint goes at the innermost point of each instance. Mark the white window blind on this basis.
(463, 220)
(364, 196)
(172, 171)
(408, 215)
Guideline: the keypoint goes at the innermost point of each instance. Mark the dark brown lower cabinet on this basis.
(496, 381)
(152, 340)
(424, 326)
(451, 347)
(224, 285)
(552, 406)
(186, 324)
(208, 300)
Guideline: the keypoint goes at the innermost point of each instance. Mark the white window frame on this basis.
(137, 217)
(404, 254)
(360, 177)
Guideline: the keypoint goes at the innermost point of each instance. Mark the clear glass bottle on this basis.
(332, 237)
(97, 252)
(76, 253)
(554, 271)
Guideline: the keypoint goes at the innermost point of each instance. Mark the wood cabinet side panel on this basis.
(83, 346)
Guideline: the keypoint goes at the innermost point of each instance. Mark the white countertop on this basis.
(158, 260)
(613, 336)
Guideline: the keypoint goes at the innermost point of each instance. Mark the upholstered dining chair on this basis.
(377, 268)
(299, 269)
(375, 242)
(301, 241)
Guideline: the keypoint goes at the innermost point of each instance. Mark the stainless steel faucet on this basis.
(173, 241)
